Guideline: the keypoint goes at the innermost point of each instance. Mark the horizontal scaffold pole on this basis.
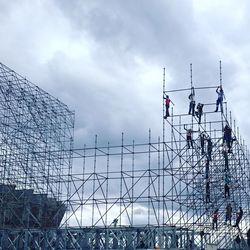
(179, 90)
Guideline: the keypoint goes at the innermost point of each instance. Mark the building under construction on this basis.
(158, 194)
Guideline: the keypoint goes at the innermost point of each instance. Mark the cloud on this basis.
(104, 59)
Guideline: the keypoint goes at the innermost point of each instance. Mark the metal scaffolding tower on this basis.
(36, 138)
(208, 171)
(133, 196)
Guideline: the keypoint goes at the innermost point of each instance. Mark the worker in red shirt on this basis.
(167, 105)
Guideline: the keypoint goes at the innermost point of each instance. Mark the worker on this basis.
(191, 98)
(227, 137)
(199, 112)
(219, 101)
(239, 216)
(202, 141)
(215, 218)
(229, 213)
(207, 168)
(207, 191)
(167, 105)
(209, 148)
(226, 190)
(224, 152)
(189, 136)
(114, 222)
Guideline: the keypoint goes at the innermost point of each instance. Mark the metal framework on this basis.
(202, 182)
(131, 196)
(36, 138)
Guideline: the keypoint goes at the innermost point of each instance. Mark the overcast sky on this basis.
(104, 59)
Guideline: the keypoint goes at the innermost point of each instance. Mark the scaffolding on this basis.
(209, 170)
(161, 193)
(36, 138)
(164, 193)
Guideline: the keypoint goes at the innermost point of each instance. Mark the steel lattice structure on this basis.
(129, 196)
(191, 199)
(36, 132)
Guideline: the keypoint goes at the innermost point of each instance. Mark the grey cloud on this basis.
(104, 59)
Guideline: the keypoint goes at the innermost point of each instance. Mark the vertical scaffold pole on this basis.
(107, 185)
(94, 181)
(192, 127)
(163, 152)
(220, 74)
(149, 175)
(163, 107)
(172, 165)
(191, 75)
(83, 178)
(133, 181)
(121, 181)
(159, 180)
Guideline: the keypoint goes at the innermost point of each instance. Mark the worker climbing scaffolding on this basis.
(215, 217)
(226, 190)
(189, 136)
(207, 191)
(227, 137)
(207, 169)
(167, 105)
(203, 137)
(191, 98)
(225, 155)
(219, 101)
(239, 216)
(229, 214)
(199, 112)
(209, 148)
